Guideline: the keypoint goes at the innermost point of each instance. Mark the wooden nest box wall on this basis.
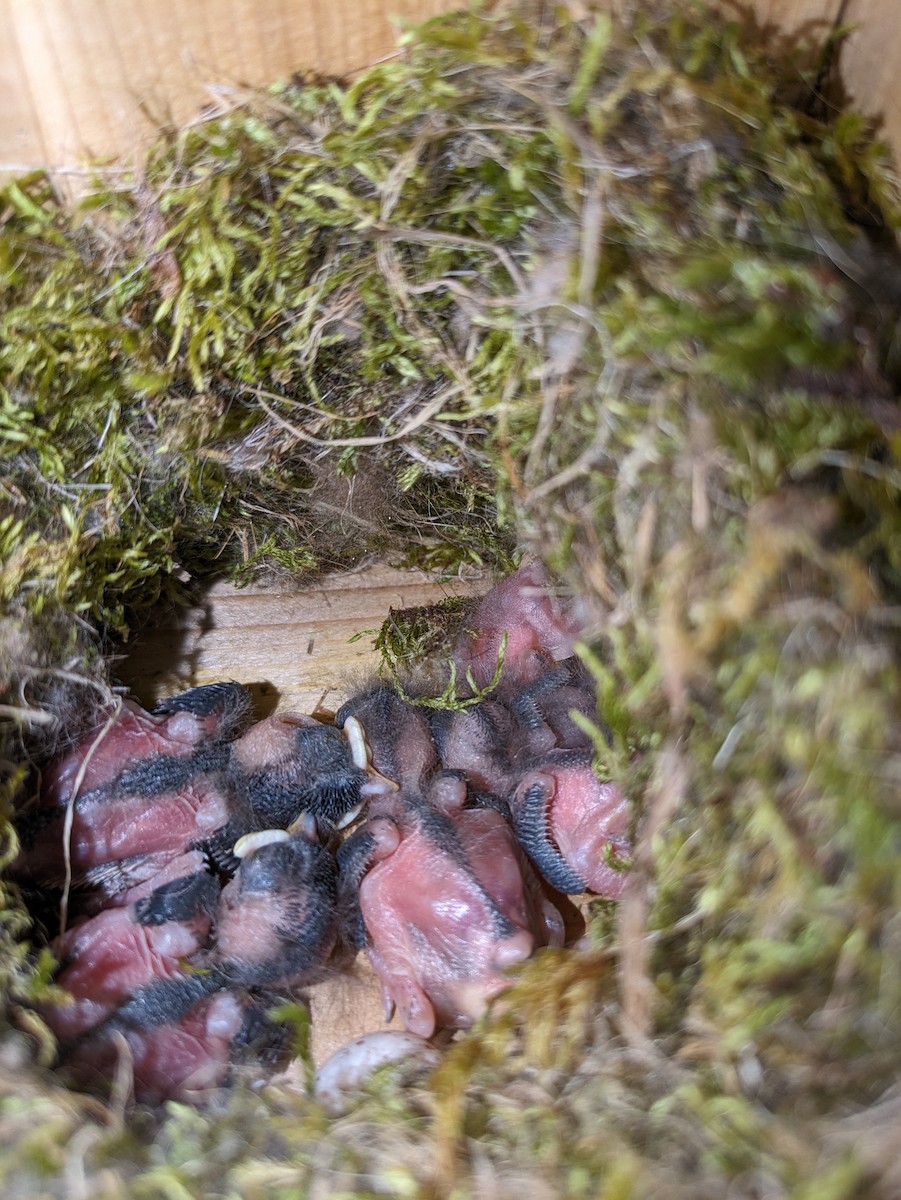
(99, 79)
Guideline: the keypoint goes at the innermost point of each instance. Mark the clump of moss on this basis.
(606, 290)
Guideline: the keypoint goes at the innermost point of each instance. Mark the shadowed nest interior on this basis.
(621, 292)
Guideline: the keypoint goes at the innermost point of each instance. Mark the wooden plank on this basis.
(871, 64)
(796, 17)
(98, 79)
(294, 649)
(344, 1006)
(21, 135)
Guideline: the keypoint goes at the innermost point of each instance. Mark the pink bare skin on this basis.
(448, 905)
(111, 955)
(153, 808)
(171, 869)
(291, 763)
(275, 924)
(491, 741)
(545, 711)
(276, 921)
(285, 740)
(203, 715)
(562, 732)
(122, 842)
(533, 754)
(587, 820)
(134, 735)
(397, 735)
(135, 793)
(540, 630)
(184, 1060)
(479, 741)
(269, 741)
(178, 1061)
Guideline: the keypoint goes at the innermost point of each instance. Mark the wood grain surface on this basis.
(871, 65)
(99, 79)
(294, 649)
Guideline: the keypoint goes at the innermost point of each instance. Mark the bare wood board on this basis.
(98, 80)
(295, 649)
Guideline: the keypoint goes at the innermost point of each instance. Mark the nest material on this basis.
(606, 289)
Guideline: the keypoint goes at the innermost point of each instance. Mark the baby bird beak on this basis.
(251, 842)
(377, 784)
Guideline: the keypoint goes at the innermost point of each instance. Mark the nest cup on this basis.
(621, 292)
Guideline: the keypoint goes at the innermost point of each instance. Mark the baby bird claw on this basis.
(531, 821)
(446, 902)
(571, 824)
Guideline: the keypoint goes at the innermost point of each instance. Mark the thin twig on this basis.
(70, 812)
(429, 410)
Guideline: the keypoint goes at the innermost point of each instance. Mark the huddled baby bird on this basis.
(196, 851)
